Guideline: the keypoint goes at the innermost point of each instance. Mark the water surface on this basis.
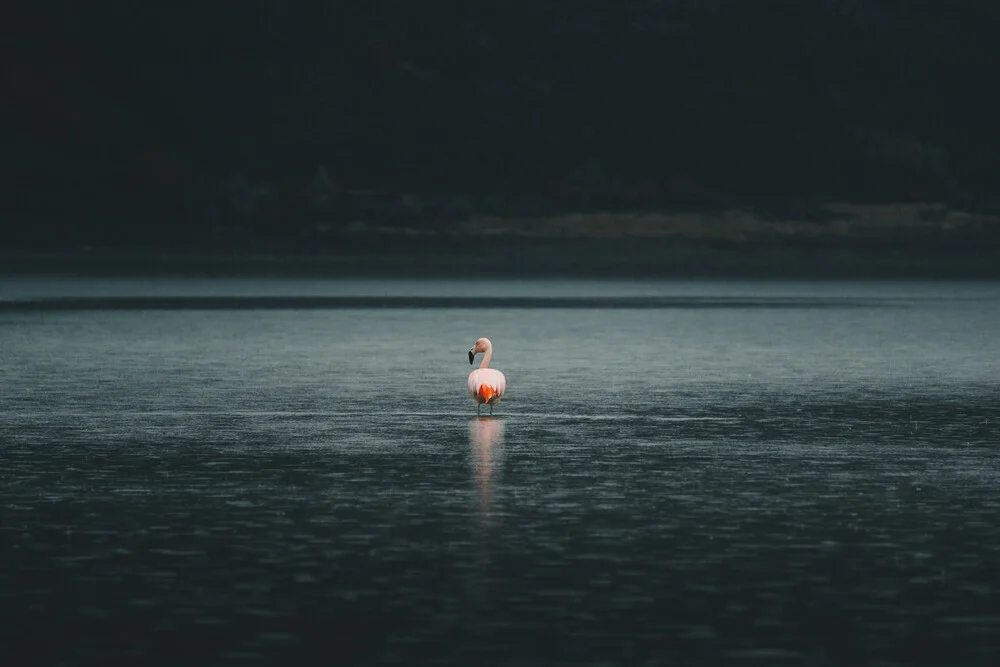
(680, 473)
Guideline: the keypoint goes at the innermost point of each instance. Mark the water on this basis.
(719, 473)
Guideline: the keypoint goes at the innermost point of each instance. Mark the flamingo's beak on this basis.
(472, 355)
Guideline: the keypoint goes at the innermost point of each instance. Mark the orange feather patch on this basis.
(486, 391)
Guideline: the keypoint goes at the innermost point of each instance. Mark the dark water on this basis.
(750, 474)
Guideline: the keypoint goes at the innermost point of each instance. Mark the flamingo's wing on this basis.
(501, 383)
(488, 377)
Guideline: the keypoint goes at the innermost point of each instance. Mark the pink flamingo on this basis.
(486, 385)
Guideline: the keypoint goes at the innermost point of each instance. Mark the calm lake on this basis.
(206, 472)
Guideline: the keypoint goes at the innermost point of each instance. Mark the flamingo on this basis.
(486, 385)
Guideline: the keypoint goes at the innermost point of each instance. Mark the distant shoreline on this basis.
(902, 241)
(567, 259)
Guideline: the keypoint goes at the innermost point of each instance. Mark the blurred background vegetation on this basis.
(200, 124)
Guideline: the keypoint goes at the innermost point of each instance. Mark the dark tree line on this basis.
(269, 113)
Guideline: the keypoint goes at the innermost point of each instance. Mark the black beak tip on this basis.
(472, 355)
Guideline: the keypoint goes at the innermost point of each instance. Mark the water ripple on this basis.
(261, 487)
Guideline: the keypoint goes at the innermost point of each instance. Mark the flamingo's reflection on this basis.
(486, 443)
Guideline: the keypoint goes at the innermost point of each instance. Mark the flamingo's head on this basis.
(482, 345)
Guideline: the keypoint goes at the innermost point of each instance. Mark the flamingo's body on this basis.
(486, 385)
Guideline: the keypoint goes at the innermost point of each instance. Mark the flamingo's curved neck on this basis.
(486, 357)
